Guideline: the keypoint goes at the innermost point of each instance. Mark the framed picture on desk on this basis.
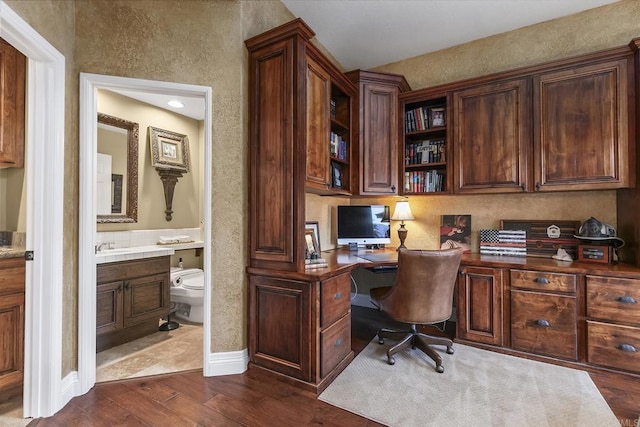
(312, 237)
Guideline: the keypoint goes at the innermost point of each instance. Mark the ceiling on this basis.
(368, 33)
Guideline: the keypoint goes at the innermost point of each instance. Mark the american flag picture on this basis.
(503, 242)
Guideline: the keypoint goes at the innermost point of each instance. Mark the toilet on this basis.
(187, 293)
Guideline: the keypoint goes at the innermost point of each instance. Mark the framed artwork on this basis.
(169, 150)
(336, 175)
(455, 232)
(312, 238)
(437, 117)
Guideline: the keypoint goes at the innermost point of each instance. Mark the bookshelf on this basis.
(340, 140)
(425, 154)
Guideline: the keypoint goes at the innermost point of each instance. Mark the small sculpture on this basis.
(562, 255)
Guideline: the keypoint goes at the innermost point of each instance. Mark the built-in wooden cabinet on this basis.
(613, 322)
(492, 127)
(12, 297)
(300, 140)
(132, 297)
(581, 127)
(378, 136)
(300, 328)
(544, 313)
(12, 106)
(481, 314)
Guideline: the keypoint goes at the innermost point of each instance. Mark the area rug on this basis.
(477, 388)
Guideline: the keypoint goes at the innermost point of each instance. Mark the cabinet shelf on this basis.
(339, 127)
(423, 133)
(421, 166)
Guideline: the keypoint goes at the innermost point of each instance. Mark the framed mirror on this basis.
(117, 170)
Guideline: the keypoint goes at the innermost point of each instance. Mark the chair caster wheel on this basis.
(440, 369)
(381, 341)
(450, 350)
(391, 360)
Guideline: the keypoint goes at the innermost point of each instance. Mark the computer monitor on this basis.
(363, 225)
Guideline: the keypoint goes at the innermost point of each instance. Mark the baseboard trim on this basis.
(70, 388)
(227, 363)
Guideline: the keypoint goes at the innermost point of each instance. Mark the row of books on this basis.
(332, 108)
(424, 181)
(420, 152)
(338, 146)
(423, 118)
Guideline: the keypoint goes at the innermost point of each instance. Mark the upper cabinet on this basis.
(561, 126)
(12, 112)
(376, 128)
(300, 124)
(581, 127)
(492, 127)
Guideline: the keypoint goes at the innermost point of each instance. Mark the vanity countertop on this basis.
(134, 252)
(11, 251)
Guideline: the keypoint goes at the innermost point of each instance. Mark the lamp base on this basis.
(402, 235)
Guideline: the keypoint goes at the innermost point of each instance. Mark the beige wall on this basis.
(151, 204)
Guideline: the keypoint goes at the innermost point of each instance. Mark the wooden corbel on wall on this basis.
(170, 157)
(169, 179)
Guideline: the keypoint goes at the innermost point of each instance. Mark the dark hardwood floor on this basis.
(256, 399)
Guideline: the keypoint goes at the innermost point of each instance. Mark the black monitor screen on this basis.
(363, 224)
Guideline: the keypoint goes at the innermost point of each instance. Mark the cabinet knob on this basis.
(393, 188)
(523, 186)
(338, 342)
(626, 300)
(542, 322)
(537, 186)
(126, 286)
(541, 280)
(338, 295)
(627, 347)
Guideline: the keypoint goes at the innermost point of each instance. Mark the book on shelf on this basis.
(424, 152)
(431, 181)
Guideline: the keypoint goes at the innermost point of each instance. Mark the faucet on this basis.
(100, 246)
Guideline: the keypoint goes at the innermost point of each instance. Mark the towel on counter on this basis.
(172, 240)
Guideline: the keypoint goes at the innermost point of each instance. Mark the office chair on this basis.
(422, 294)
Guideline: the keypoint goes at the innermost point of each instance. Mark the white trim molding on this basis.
(44, 165)
(227, 363)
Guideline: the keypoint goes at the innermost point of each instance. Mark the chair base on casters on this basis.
(415, 339)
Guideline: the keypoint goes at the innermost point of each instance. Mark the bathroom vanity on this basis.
(132, 296)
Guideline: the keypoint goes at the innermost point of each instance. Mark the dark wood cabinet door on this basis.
(12, 95)
(581, 132)
(146, 298)
(318, 101)
(492, 137)
(109, 307)
(280, 325)
(12, 342)
(480, 305)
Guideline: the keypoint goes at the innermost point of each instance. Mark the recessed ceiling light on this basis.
(176, 104)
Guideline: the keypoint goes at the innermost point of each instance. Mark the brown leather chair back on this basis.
(424, 285)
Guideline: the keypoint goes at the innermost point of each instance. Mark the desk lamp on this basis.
(402, 213)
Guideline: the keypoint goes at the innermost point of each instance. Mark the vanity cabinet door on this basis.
(109, 307)
(146, 298)
(12, 94)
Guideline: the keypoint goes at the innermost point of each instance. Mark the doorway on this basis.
(89, 86)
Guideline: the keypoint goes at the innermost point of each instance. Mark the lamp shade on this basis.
(402, 211)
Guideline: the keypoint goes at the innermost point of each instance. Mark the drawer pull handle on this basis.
(338, 295)
(542, 322)
(626, 347)
(542, 280)
(626, 300)
(338, 342)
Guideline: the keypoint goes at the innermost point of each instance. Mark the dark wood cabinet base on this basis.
(122, 336)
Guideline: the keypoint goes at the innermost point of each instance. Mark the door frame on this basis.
(44, 392)
(89, 86)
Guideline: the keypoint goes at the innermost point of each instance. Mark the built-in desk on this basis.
(569, 313)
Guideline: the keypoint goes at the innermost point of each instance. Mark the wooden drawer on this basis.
(543, 281)
(336, 344)
(544, 324)
(336, 302)
(614, 346)
(123, 270)
(614, 299)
